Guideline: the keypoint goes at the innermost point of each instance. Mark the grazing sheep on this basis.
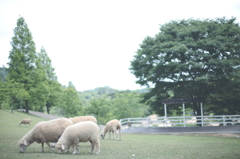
(45, 131)
(25, 121)
(112, 126)
(83, 118)
(80, 119)
(81, 132)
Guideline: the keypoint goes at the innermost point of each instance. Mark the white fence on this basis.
(180, 121)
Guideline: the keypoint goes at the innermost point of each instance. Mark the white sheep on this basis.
(113, 126)
(81, 132)
(45, 131)
(83, 118)
(25, 121)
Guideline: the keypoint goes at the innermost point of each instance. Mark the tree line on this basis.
(196, 59)
(30, 82)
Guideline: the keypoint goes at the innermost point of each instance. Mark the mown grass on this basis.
(132, 145)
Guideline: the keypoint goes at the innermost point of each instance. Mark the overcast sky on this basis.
(91, 42)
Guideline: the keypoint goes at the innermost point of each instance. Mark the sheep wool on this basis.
(25, 121)
(45, 131)
(83, 118)
(81, 132)
(114, 126)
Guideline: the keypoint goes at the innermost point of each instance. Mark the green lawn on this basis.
(132, 145)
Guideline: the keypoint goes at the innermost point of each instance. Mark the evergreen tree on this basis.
(49, 80)
(22, 59)
(3, 89)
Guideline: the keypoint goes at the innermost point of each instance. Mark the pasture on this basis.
(132, 146)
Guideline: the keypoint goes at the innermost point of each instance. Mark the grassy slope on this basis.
(142, 146)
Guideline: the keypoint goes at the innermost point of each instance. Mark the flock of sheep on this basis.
(69, 132)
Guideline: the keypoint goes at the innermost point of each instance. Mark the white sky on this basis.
(91, 42)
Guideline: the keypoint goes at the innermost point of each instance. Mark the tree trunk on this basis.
(26, 106)
(198, 110)
(48, 105)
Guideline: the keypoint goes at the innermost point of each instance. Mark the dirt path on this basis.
(49, 116)
(43, 115)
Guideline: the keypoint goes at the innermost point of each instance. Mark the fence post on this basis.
(147, 122)
(202, 113)
(184, 116)
(224, 124)
(128, 122)
(165, 111)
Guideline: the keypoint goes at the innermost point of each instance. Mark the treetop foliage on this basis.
(190, 58)
(189, 50)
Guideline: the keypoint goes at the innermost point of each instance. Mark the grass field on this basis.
(132, 146)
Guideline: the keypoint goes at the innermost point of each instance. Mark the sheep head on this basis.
(102, 135)
(60, 147)
(23, 144)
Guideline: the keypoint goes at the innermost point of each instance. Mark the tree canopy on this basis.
(190, 59)
(22, 60)
(31, 83)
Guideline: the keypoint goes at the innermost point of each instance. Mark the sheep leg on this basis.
(97, 148)
(77, 148)
(67, 149)
(114, 135)
(49, 146)
(92, 147)
(42, 147)
(120, 133)
(74, 149)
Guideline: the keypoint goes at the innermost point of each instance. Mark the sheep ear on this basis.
(25, 143)
(63, 147)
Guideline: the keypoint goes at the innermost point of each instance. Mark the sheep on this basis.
(112, 126)
(81, 132)
(83, 118)
(25, 121)
(44, 131)
(80, 119)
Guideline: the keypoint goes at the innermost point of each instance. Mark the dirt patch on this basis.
(210, 134)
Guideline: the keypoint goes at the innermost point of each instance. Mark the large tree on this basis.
(190, 59)
(22, 59)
